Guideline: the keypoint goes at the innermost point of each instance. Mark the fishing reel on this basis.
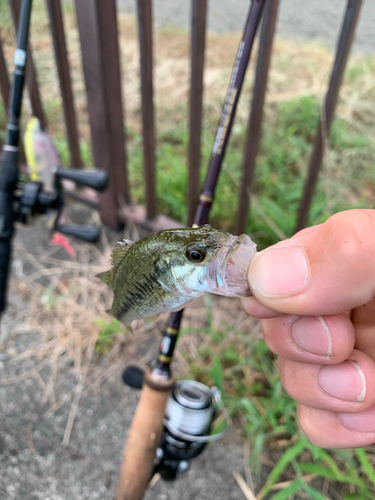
(31, 198)
(43, 193)
(190, 412)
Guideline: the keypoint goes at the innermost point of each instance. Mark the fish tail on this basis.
(107, 278)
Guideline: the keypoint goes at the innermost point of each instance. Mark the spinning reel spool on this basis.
(190, 412)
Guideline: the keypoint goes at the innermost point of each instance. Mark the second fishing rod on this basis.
(169, 340)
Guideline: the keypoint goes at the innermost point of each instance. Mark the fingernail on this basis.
(279, 272)
(344, 381)
(311, 334)
(364, 421)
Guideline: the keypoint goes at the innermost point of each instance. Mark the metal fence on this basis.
(98, 32)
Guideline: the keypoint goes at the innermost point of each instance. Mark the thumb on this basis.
(325, 269)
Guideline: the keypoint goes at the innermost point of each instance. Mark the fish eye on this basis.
(196, 254)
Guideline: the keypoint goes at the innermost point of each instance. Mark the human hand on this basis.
(315, 295)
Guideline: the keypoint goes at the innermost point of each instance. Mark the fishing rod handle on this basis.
(95, 179)
(144, 437)
(8, 181)
(6, 232)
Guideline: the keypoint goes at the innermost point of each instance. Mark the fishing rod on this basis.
(10, 154)
(21, 199)
(148, 425)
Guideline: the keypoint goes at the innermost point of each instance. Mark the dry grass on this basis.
(64, 304)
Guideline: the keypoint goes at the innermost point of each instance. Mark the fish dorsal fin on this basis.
(119, 251)
(116, 257)
(107, 278)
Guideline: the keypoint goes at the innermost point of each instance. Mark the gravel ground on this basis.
(313, 20)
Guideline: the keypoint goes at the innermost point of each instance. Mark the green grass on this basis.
(108, 331)
(347, 181)
(288, 134)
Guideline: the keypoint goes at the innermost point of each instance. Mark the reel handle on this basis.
(84, 232)
(95, 179)
(133, 377)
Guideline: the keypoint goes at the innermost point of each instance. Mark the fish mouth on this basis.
(227, 274)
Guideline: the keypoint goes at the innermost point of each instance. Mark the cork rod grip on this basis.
(144, 437)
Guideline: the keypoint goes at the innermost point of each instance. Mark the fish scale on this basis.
(167, 269)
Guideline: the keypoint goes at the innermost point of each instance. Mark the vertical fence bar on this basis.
(198, 38)
(58, 37)
(88, 33)
(148, 124)
(31, 78)
(255, 121)
(4, 79)
(346, 38)
(111, 77)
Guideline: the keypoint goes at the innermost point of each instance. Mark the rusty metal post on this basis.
(346, 38)
(58, 37)
(31, 78)
(111, 78)
(148, 122)
(255, 121)
(198, 38)
(97, 105)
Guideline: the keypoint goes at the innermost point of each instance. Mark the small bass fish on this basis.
(169, 268)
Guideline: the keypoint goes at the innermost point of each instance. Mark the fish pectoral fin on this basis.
(119, 251)
(181, 306)
(128, 327)
(107, 277)
(150, 319)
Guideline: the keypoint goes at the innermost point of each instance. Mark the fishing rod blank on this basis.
(10, 154)
(168, 343)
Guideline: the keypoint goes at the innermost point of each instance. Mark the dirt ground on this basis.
(35, 465)
(34, 462)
